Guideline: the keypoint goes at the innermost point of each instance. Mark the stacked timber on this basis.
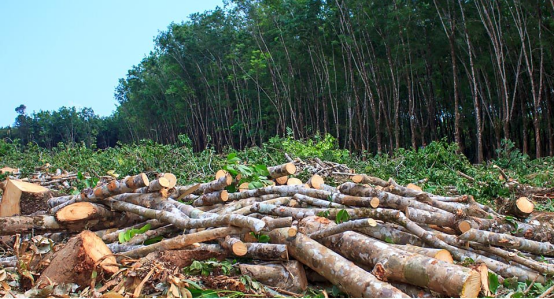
(370, 237)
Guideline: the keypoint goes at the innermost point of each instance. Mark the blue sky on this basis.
(71, 53)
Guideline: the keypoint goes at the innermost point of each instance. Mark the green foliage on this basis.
(208, 267)
(262, 238)
(439, 163)
(129, 234)
(255, 175)
(342, 216)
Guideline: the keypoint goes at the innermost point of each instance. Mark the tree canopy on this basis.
(377, 75)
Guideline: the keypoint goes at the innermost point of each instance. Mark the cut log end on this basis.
(75, 212)
(282, 180)
(290, 168)
(525, 205)
(294, 181)
(464, 226)
(414, 187)
(445, 256)
(239, 249)
(374, 203)
(472, 286)
(224, 195)
(171, 178)
(357, 178)
(316, 181)
(243, 187)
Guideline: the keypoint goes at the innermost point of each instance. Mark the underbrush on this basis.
(438, 167)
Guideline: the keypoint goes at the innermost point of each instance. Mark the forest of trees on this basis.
(377, 75)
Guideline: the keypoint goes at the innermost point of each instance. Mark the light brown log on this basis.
(328, 188)
(83, 211)
(365, 179)
(281, 180)
(498, 267)
(345, 226)
(9, 170)
(271, 223)
(215, 185)
(77, 260)
(389, 234)
(180, 192)
(46, 223)
(183, 241)
(341, 272)
(268, 252)
(281, 170)
(187, 223)
(244, 187)
(436, 253)
(158, 184)
(541, 267)
(414, 187)
(211, 199)
(458, 254)
(308, 200)
(22, 198)
(508, 241)
(520, 207)
(288, 276)
(316, 181)
(171, 178)
(397, 265)
(137, 181)
(234, 245)
(413, 291)
(279, 201)
(294, 182)
(233, 206)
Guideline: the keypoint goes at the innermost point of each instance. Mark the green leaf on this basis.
(261, 169)
(342, 216)
(263, 239)
(255, 185)
(517, 295)
(94, 274)
(153, 240)
(493, 282)
(389, 240)
(144, 229)
(121, 237)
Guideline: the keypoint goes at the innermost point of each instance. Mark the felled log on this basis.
(392, 264)
(348, 277)
(315, 182)
(183, 241)
(508, 241)
(46, 223)
(151, 233)
(170, 177)
(213, 186)
(234, 245)
(281, 170)
(233, 206)
(77, 260)
(317, 202)
(436, 253)
(389, 234)
(180, 192)
(21, 198)
(210, 199)
(294, 182)
(496, 266)
(345, 226)
(521, 207)
(288, 276)
(84, 211)
(281, 180)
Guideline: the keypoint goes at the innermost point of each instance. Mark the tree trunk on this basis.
(289, 275)
(77, 260)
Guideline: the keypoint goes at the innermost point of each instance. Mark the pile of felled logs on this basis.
(393, 240)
